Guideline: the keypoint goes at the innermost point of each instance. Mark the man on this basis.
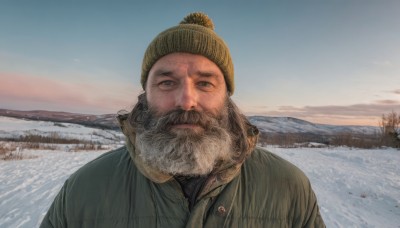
(190, 158)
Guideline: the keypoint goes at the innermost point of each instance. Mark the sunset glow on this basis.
(325, 62)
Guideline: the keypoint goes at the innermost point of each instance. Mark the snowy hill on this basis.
(12, 128)
(293, 125)
(107, 121)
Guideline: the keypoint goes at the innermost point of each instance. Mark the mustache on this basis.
(176, 117)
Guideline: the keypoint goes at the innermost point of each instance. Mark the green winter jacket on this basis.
(118, 190)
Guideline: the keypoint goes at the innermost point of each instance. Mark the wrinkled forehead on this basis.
(185, 63)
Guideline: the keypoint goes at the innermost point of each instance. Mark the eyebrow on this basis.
(162, 72)
(205, 74)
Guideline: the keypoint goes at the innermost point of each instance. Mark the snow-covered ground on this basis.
(355, 188)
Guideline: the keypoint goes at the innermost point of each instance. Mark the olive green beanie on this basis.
(195, 34)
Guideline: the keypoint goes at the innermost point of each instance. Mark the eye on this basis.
(166, 84)
(206, 86)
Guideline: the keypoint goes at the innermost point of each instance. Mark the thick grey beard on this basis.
(184, 151)
(184, 154)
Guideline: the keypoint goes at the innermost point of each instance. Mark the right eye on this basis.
(166, 84)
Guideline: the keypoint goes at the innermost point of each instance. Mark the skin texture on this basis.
(188, 82)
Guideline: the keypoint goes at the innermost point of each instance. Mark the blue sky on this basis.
(323, 61)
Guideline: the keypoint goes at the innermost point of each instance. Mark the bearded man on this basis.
(190, 158)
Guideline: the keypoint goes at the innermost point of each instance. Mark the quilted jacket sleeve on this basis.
(55, 215)
(313, 214)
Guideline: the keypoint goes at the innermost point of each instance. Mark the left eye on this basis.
(204, 84)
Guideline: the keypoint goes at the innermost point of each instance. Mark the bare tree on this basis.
(390, 129)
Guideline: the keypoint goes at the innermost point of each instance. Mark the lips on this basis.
(186, 125)
(181, 120)
(187, 119)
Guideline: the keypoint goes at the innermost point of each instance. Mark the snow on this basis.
(354, 187)
(15, 128)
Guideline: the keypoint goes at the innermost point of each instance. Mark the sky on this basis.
(331, 62)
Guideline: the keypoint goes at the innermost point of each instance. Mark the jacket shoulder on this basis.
(109, 173)
(103, 166)
(281, 189)
(103, 192)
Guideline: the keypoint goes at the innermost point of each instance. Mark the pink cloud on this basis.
(97, 97)
(388, 102)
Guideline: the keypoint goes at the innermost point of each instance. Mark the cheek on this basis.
(159, 104)
(214, 104)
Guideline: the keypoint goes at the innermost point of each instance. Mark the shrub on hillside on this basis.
(12, 152)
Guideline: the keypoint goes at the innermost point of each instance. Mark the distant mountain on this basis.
(279, 125)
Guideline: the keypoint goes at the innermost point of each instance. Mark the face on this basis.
(185, 123)
(187, 82)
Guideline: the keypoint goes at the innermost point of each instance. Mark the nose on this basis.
(186, 98)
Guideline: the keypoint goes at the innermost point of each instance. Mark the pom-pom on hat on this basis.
(195, 34)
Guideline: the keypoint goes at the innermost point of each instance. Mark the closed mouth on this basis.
(186, 125)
